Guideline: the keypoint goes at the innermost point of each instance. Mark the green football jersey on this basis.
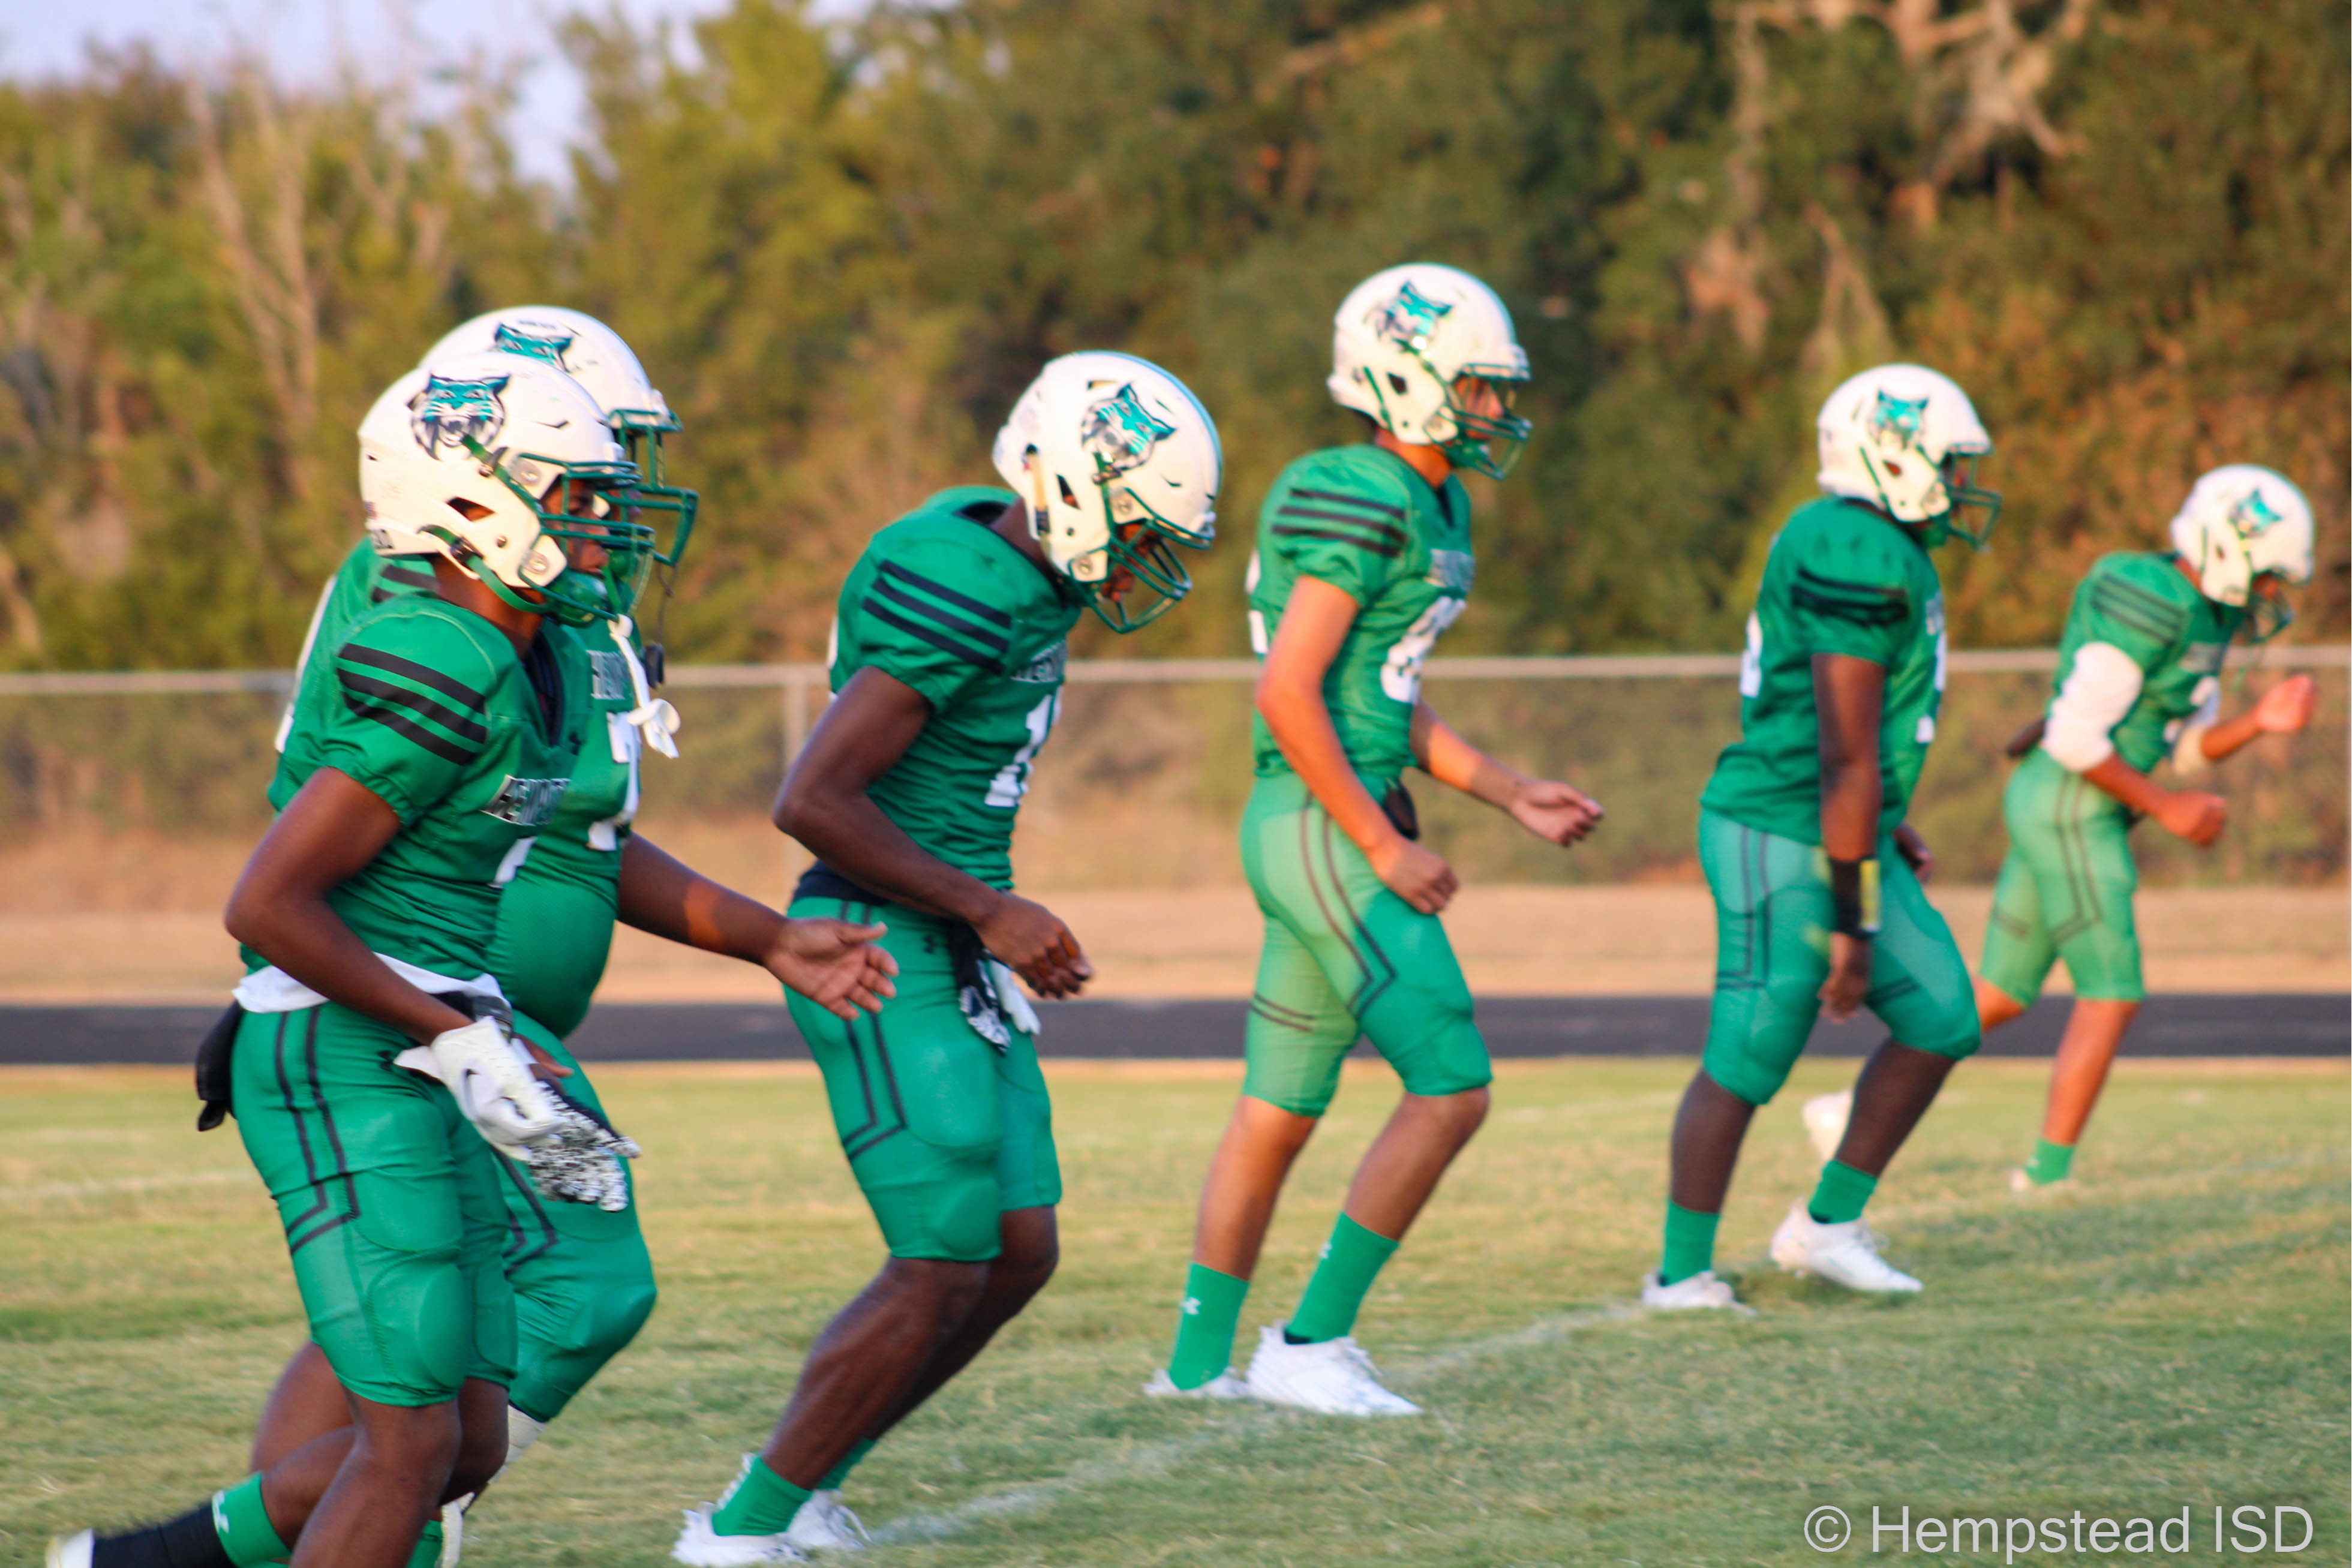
(1361, 519)
(582, 842)
(2146, 606)
(943, 602)
(1839, 579)
(432, 709)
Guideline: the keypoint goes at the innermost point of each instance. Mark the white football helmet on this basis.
(503, 433)
(2241, 525)
(1400, 341)
(1118, 463)
(1906, 440)
(596, 357)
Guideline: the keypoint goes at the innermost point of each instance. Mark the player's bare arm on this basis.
(326, 835)
(823, 803)
(2283, 710)
(1850, 693)
(1558, 813)
(834, 964)
(1290, 699)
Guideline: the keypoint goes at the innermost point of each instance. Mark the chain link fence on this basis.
(1150, 761)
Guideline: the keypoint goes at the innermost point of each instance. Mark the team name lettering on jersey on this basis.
(1453, 569)
(1047, 668)
(612, 675)
(526, 803)
(2203, 658)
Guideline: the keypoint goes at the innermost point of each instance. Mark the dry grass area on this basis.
(133, 920)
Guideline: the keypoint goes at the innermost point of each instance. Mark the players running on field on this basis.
(1364, 556)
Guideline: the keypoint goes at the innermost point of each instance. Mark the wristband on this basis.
(1854, 897)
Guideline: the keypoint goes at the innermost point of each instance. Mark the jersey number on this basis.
(1012, 781)
(1401, 673)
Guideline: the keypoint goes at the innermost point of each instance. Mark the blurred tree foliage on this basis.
(2121, 224)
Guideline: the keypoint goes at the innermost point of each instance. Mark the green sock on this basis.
(428, 1547)
(244, 1527)
(1841, 1196)
(1204, 1326)
(2050, 1163)
(760, 1502)
(1690, 1244)
(840, 1472)
(1335, 1293)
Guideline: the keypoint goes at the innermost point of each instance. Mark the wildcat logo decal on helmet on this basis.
(1897, 420)
(1120, 434)
(533, 340)
(448, 411)
(2252, 515)
(1410, 317)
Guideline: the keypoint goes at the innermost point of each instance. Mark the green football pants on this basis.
(1772, 921)
(1344, 957)
(2066, 889)
(584, 1283)
(390, 1203)
(943, 1131)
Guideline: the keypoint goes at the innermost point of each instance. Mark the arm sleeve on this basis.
(1348, 537)
(1852, 601)
(934, 619)
(408, 718)
(2099, 691)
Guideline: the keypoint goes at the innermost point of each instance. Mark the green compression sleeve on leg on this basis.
(244, 1527)
(1841, 1196)
(428, 1547)
(760, 1502)
(849, 1461)
(1335, 1292)
(1689, 1244)
(2051, 1162)
(1204, 1326)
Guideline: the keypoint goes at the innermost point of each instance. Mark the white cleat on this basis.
(453, 1528)
(1843, 1255)
(1826, 1118)
(2025, 1186)
(72, 1550)
(1334, 1378)
(699, 1546)
(825, 1524)
(1700, 1292)
(1227, 1385)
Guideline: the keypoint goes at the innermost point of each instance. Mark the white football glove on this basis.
(580, 1161)
(490, 1074)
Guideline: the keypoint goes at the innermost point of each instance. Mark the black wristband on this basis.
(1854, 897)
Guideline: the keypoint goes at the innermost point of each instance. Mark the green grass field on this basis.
(2171, 1335)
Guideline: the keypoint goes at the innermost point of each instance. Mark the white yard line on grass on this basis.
(52, 1190)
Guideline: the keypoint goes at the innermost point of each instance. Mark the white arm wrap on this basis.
(2099, 690)
(2188, 758)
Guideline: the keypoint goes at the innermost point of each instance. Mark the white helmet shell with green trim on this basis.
(1887, 438)
(1118, 462)
(1401, 340)
(580, 345)
(2241, 522)
(533, 421)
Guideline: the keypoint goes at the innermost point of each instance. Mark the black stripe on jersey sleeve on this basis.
(940, 640)
(946, 594)
(447, 750)
(416, 702)
(2139, 609)
(408, 576)
(991, 643)
(1867, 604)
(1376, 546)
(1340, 498)
(424, 675)
(1378, 530)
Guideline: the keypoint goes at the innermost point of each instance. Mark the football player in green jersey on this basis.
(428, 744)
(948, 660)
(2139, 681)
(1814, 872)
(1364, 556)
